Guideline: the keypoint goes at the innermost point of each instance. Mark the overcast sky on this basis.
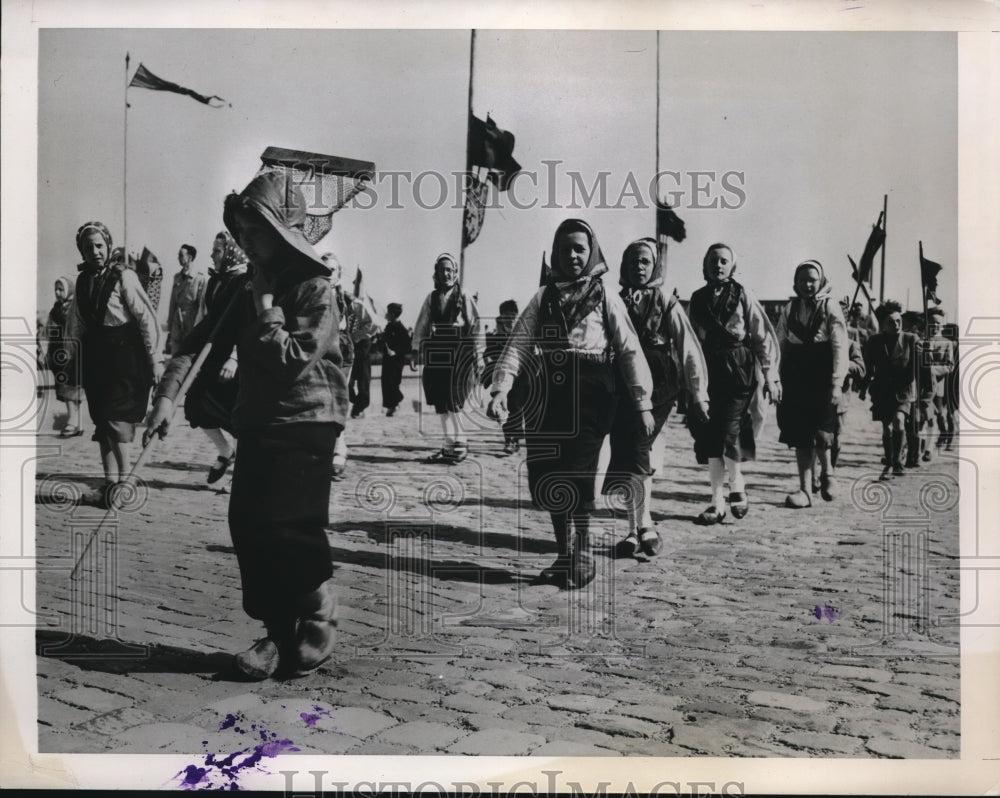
(804, 132)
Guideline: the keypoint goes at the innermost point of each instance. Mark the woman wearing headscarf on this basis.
(212, 396)
(583, 334)
(741, 351)
(814, 345)
(676, 363)
(114, 325)
(57, 356)
(448, 339)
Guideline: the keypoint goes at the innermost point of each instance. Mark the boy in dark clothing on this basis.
(396, 345)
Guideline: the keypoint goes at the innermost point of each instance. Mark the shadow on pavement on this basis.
(115, 656)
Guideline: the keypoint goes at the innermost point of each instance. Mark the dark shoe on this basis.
(360, 414)
(316, 636)
(558, 572)
(216, 472)
(390, 411)
(826, 487)
(926, 456)
(898, 471)
(71, 432)
(260, 661)
(510, 446)
(885, 476)
(628, 546)
(650, 541)
(738, 504)
(581, 568)
(459, 453)
(440, 456)
(711, 516)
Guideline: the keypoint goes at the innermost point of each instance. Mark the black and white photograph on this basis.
(551, 403)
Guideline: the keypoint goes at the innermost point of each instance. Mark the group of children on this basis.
(591, 363)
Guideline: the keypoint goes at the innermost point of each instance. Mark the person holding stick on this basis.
(291, 406)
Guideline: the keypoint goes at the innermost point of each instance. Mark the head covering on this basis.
(595, 266)
(822, 291)
(69, 285)
(93, 227)
(655, 277)
(233, 258)
(444, 256)
(704, 261)
(274, 197)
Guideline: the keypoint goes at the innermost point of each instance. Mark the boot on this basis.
(559, 570)
(265, 657)
(316, 636)
(581, 567)
(912, 450)
(897, 453)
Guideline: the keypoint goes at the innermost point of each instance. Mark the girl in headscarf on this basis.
(118, 336)
(212, 396)
(582, 334)
(814, 345)
(741, 350)
(57, 356)
(290, 407)
(448, 339)
(667, 338)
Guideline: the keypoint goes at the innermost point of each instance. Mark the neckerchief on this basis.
(713, 311)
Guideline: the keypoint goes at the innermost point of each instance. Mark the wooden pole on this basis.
(885, 240)
(468, 120)
(125, 172)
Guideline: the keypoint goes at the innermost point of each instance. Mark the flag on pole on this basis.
(668, 223)
(875, 240)
(493, 149)
(374, 311)
(475, 209)
(929, 278)
(144, 79)
(543, 278)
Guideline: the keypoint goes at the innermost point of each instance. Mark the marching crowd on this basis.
(272, 357)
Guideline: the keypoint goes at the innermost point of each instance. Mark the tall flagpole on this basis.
(661, 237)
(468, 119)
(885, 240)
(125, 172)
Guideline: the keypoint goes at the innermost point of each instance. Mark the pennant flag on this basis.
(929, 277)
(668, 223)
(543, 278)
(872, 246)
(144, 79)
(492, 148)
(475, 209)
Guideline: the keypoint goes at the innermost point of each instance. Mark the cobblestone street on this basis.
(823, 632)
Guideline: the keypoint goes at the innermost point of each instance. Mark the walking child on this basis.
(396, 346)
(814, 345)
(517, 398)
(112, 328)
(741, 350)
(586, 340)
(58, 357)
(344, 305)
(290, 407)
(447, 338)
(937, 362)
(891, 368)
(676, 363)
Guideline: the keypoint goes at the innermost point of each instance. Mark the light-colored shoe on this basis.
(798, 500)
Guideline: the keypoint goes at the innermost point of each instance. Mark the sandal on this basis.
(738, 504)
(798, 500)
(218, 471)
(650, 541)
(711, 516)
(441, 456)
(628, 546)
(71, 432)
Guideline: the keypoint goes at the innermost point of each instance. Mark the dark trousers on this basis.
(359, 387)
(392, 378)
(278, 512)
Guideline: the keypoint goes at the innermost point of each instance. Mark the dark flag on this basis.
(543, 278)
(492, 148)
(872, 246)
(144, 79)
(475, 209)
(669, 223)
(929, 278)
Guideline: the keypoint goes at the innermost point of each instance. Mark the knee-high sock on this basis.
(449, 440)
(455, 424)
(716, 478)
(736, 483)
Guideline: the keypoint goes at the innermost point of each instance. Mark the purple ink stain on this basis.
(827, 612)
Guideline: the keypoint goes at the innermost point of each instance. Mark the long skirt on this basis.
(449, 370)
(117, 378)
(806, 417)
(278, 512)
(564, 444)
(731, 385)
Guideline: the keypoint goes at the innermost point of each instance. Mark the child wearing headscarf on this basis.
(813, 338)
(741, 351)
(936, 364)
(290, 406)
(667, 338)
(582, 333)
(212, 396)
(449, 342)
(57, 356)
(112, 328)
(396, 346)
(890, 377)
(344, 309)
(517, 397)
